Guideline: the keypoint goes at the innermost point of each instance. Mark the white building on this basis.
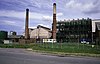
(40, 32)
(95, 22)
(7, 41)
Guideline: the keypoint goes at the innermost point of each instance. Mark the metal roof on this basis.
(15, 36)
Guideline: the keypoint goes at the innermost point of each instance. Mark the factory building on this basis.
(40, 32)
(11, 38)
(14, 37)
(78, 30)
(96, 31)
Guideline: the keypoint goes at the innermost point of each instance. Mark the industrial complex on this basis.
(79, 30)
(76, 30)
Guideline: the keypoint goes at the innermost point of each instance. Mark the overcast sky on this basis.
(12, 12)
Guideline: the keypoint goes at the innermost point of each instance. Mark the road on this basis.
(21, 56)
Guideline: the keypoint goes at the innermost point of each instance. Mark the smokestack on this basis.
(26, 25)
(54, 22)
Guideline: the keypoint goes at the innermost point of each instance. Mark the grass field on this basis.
(15, 46)
(68, 48)
(58, 47)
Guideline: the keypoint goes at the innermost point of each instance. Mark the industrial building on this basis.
(14, 37)
(78, 30)
(40, 32)
(11, 38)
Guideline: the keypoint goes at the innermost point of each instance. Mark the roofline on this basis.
(95, 19)
(69, 20)
(43, 27)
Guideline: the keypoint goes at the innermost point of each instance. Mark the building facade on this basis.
(79, 30)
(40, 32)
(74, 30)
(96, 31)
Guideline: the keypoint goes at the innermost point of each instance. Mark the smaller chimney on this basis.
(26, 25)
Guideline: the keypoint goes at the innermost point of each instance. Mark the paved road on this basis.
(21, 56)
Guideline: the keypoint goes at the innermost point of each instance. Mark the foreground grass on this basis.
(60, 48)
(16, 45)
(67, 48)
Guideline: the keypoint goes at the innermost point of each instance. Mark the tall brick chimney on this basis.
(54, 22)
(26, 25)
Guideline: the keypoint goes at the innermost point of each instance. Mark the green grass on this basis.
(58, 47)
(15, 46)
(68, 48)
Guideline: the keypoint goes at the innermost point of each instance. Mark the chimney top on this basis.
(27, 9)
(54, 3)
